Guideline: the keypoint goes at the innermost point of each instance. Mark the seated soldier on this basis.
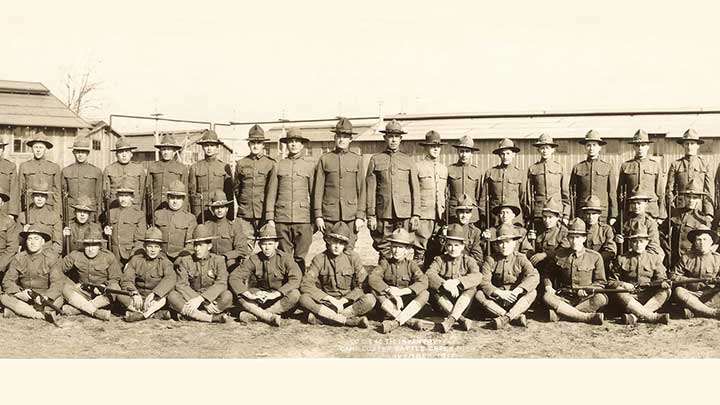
(9, 236)
(149, 276)
(86, 269)
(81, 224)
(507, 214)
(453, 278)
(637, 204)
(232, 241)
(33, 283)
(177, 225)
(552, 236)
(635, 271)
(267, 284)
(399, 284)
(201, 291)
(473, 236)
(510, 281)
(576, 271)
(600, 236)
(687, 216)
(126, 226)
(332, 287)
(39, 212)
(695, 276)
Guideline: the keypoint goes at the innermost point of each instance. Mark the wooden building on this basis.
(191, 152)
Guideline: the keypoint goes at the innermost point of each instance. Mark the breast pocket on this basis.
(603, 170)
(345, 279)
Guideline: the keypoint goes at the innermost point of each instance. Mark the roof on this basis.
(97, 126)
(321, 132)
(145, 141)
(32, 104)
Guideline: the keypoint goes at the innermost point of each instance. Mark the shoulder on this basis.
(592, 254)
(20, 258)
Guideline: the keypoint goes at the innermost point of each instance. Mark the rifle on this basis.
(46, 302)
(531, 205)
(594, 290)
(705, 280)
(149, 199)
(202, 208)
(572, 201)
(487, 216)
(63, 203)
(107, 216)
(106, 290)
(668, 209)
(622, 208)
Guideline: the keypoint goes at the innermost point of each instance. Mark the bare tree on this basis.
(81, 92)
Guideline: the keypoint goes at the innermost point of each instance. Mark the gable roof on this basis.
(145, 141)
(31, 104)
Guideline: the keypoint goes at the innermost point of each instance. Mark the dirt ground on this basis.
(83, 337)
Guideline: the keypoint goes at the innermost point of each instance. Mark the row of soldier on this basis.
(395, 194)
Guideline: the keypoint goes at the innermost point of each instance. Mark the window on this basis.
(96, 145)
(20, 136)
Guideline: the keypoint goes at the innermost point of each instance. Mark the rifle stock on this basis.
(107, 290)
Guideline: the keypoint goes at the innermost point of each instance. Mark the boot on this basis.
(53, 318)
(277, 321)
(8, 313)
(688, 314)
(465, 324)
(420, 324)
(102, 314)
(70, 310)
(132, 316)
(553, 316)
(360, 322)
(389, 326)
(312, 319)
(597, 318)
(246, 317)
(501, 322)
(630, 319)
(220, 318)
(447, 324)
(664, 319)
(163, 315)
(521, 321)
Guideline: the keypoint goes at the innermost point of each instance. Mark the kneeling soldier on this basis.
(453, 278)
(552, 237)
(506, 215)
(639, 268)
(600, 236)
(33, 282)
(80, 225)
(177, 225)
(40, 212)
(577, 270)
(9, 240)
(267, 284)
(202, 281)
(94, 265)
(150, 277)
(509, 280)
(232, 241)
(399, 284)
(702, 264)
(473, 234)
(126, 225)
(332, 287)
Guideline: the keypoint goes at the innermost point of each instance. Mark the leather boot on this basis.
(246, 317)
(521, 320)
(70, 310)
(630, 319)
(102, 314)
(389, 326)
(465, 324)
(312, 319)
(688, 314)
(360, 322)
(501, 322)
(220, 318)
(597, 318)
(446, 325)
(420, 324)
(132, 316)
(664, 319)
(553, 316)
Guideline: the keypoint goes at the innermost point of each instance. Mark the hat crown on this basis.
(123, 143)
(466, 142)
(256, 132)
(432, 137)
(506, 231)
(693, 187)
(94, 234)
(81, 142)
(506, 143)
(340, 229)
(545, 139)
(168, 139)
(153, 233)
(39, 185)
(553, 204)
(401, 235)
(85, 201)
(638, 230)
(209, 136)
(691, 134)
(641, 136)
(344, 126)
(293, 132)
(456, 231)
(637, 194)
(465, 201)
(41, 229)
(176, 187)
(393, 127)
(267, 232)
(593, 202)
(202, 231)
(218, 196)
(577, 225)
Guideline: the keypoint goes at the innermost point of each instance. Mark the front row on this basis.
(336, 289)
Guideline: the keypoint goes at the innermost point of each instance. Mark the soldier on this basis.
(288, 198)
(9, 240)
(165, 171)
(508, 214)
(176, 224)
(546, 179)
(399, 284)
(80, 225)
(637, 215)
(9, 181)
(34, 278)
(40, 213)
(635, 271)
(124, 174)
(464, 178)
(473, 235)
(126, 225)
(202, 281)
(208, 175)
(687, 168)
(339, 192)
(689, 216)
(40, 169)
(432, 179)
(267, 285)
(600, 237)
(393, 192)
(84, 269)
(594, 176)
(701, 263)
(453, 278)
(509, 281)
(149, 276)
(645, 175)
(82, 179)
(575, 272)
(231, 242)
(503, 184)
(551, 238)
(253, 175)
(332, 287)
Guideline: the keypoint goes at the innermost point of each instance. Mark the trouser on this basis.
(353, 237)
(360, 307)
(267, 310)
(27, 309)
(454, 307)
(427, 241)
(295, 239)
(85, 301)
(643, 304)
(705, 302)
(575, 309)
(411, 306)
(385, 228)
(127, 301)
(498, 307)
(176, 302)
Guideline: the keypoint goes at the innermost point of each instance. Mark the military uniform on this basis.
(177, 228)
(644, 175)
(595, 177)
(143, 275)
(131, 175)
(9, 183)
(79, 231)
(48, 217)
(206, 176)
(464, 179)
(686, 221)
(640, 269)
(601, 239)
(698, 298)
(39, 170)
(548, 242)
(684, 170)
(103, 269)
(649, 223)
(545, 179)
(83, 179)
(231, 243)
(474, 242)
(206, 277)
(9, 241)
(432, 179)
(160, 174)
(128, 227)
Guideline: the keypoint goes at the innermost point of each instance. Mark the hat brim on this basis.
(512, 148)
(336, 236)
(506, 237)
(123, 148)
(539, 144)
(579, 233)
(465, 147)
(151, 240)
(255, 140)
(432, 143)
(457, 238)
(648, 141)
(82, 208)
(554, 211)
(401, 242)
(640, 198)
(515, 209)
(24, 234)
(87, 149)
(93, 241)
(683, 140)
(125, 190)
(178, 193)
(393, 132)
(219, 204)
(692, 235)
(32, 142)
(259, 238)
(39, 192)
(698, 193)
(351, 133)
(599, 141)
(166, 145)
(203, 239)
(595, 209)
(299, 138)
(639, 236)
(465, 207)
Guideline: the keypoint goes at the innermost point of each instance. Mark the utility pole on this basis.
(157, 116)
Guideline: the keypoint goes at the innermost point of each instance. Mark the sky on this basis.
(230, 61)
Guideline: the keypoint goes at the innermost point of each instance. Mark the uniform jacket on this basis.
(128, 227)
(680, 173)
(550, 240)
(207, 277)
(78, 232)
(508, 273)
(160, 174)
(392, 185)
(546, 179)
(432, 178)
(522, 245)
(577, 271)
(339, 191)
(474, 242)
(464, 178)
(695, 265)
(682, 224)
(9, 241)
(9, 183)
(253, 175)
(147, 275)
(33, 170)
(46, 216)
(463, 268)
(646, 175)
(639, 269)
(40, 272)
(403, 273)
(595, 177)
(177, 228)
(206, 176)
(80, 179)
(131, 174)
(288, 197)
(503, 184)
(278, 273)
(652, 228)
(231, 241)
(339, 277)
(601, 238)
(101, 269)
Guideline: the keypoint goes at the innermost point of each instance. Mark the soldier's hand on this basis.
(23, 295)
(107, 230)
(486, 234)
(359, 223)
(628, 286)
(414, 223)
(531, 235)
(659, 221)
(620, 239)
(212, 308)
(451, 286)
(137, 302)
(26, 227)
(39, 299)
(665, 285)
(148, 301)
(549, 289)
(250, 296)
(611, 221)
(566, 220)
(320, 224)
(582, 293)
(66, 231)
(372, 223)
(537, 258)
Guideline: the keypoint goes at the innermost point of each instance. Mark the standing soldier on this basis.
(545, 179)
(232, 242)
(82, 179)
(253, 175)
(599, 237)
(208, 175)
(80, 225)
(594, 176)
(432, 178)
(464, 178)
(9, 241)
(38, 212)
(393, 192)
(339, 192)
(503, 184)
(288, 198)
(687, 168)
(9, 181)
(126, 225)
(643, 174)
(176, 224)
(164, 171)
(702, 264)
(38, 168)
(124, 173)
(687, 217)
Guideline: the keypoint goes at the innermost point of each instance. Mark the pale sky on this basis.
(223, 61)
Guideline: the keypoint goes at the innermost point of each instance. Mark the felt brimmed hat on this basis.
(393, 127)
(39, 186)
(690, 135)
(293, 134)
(577, 227)
(639, 231)
(592, 135)
(123, 144)
(219, 199)
(592, 203)
(515, 209)
(38, 229)
(39, 137)
(125, 186)
(257, 134)
(344, 127)
(692, 235)
(554, 205)
(209, 137)
(176, 187)
(83, 203)
(638, 195)
(465, 143)
(81, 143)
(401, 236)
(267, 232)
(202, 233)
(465, 202)
(545, 139)
(641, 137)
(432, 138)
(153, 235)
(340, 231)
(456, 232)
(506, 232)
(693, 188)
(94, 236)
(168, 141)
(506, 144)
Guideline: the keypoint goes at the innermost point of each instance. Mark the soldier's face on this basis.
(294, 146)
(175, 202)
(393, 141)
(464, 155)
(638, 206)
(691, 148)
(34, 242)
(167, 153)
(454, 248)
(124, 156)
(398, 251)
(550, 219)
(39, 200)
(202, 249)
(641, 149)
(38, 150)
(505, 247)
(342, 141)
(693, 201)
(464, 216)
(125, 200)
(703, 243)
(433, 151)
(577, 242)
(152, 249)
(220, 212)
(256, 148)
(506, 215)
(592, 217)
(82, 216)
(506, 156)
(336, 247)
(211, 149)
(546, 151)
(638, 245)
(268, 247)
(80, 156)
(92, 250)
(593, 149)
